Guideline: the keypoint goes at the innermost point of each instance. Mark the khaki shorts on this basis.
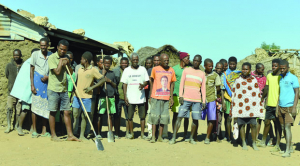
(159, 113)
(285, 115)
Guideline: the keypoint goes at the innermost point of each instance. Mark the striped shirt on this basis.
(193, 85)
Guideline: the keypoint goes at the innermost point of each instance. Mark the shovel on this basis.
(98, 142)
(110, 135)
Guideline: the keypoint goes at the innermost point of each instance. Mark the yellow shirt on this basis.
(273, 93)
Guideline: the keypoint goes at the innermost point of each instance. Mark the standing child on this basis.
(213, 83)
(246, 103)
(219, 70)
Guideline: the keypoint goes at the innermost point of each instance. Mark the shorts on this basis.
(176, 105)
(270, 112)
(228, 106)
(285, 115)
(184, 110)
(58, 100)
(244, 121)
(111, 105)
(159, 113)
(87, 102)
(121, 104)
(13, 104)
(25, 106)
(210, 111)
(141, 109)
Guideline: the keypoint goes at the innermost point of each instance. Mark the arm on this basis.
(142, 86)
(294, 111)
(181, 87)
(125, 93)
(33, 90)
(6, 71)
(265, 92)
(171, 94)
(107, 80)
(150, 91)
(62, 62)
(101, 82)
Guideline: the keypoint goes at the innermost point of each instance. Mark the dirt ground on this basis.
(17, 150)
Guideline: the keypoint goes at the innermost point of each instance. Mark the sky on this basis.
(214, 29)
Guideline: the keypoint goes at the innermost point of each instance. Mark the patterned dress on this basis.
(246, 98)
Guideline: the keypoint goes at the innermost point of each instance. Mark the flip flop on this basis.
(34, 135)
(46, 135)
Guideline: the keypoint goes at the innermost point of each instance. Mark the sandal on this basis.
(34, 135)
(47, 134)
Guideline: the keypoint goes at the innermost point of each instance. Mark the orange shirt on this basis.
(162, 82)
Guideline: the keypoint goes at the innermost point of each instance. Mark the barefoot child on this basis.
(246, 103)
(219, 70)
(213, 83)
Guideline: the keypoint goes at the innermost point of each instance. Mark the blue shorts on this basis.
(184, 110)
(210, 111)
(58, 100)
(87, 102)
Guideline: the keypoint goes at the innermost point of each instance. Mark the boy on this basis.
(246, 103)
(219, 70)
(213, 83)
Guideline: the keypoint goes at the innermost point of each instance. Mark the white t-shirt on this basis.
(133, 78)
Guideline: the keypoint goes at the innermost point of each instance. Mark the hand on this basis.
(103, 71)
(203, 106)
(149, 100)
(44, 79)
(126, 101)
(277, 109)
(65, 61)
(107, 80)
(171, 101)
(141, 87)
(181, 100)
(223, 106)
(294, 111)
(33, 90)
(88, 89)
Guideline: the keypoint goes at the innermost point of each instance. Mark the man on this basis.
(287, 106)
(134, 79)
(108, 92)
(271, 91)
(213, 83)
(160, 104)
(69, 81)
(120, 99)
(192, 81)
(228, 78)
(86, 75)
(184, 61)
(149, 63)
(57, 89)
(71, 58)
(225, 64)
(39, 72)
(11, 72)
(219, 70)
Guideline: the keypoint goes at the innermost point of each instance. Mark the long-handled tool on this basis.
(98, 142)
(110, 135)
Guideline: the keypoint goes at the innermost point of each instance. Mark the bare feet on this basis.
(129, 136)
(261, 144)
(82, 138)
(218, 140)
(206, 141)
(7, 129)
(255, 147)
(73, 138)
(275, 149)
(172, 141)
(160, 139)
(56, 139)
(20, 131)
(152, 140)
(245, 146)
(192, 141)
(286, 154)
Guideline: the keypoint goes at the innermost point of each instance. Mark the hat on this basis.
(183, 55)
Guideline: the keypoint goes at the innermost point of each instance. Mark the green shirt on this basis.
(178, 73)
(57, 83)
(120, 87)
(212, 80)
(70, 83)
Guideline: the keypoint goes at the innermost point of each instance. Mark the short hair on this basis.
(223, 61)
(124, 59)
(207, 60)
(164, 77)
(220, 64)
(88, 56)
(134, 54)
(258, 65)
(284, 62)
(18, 51)
(35, 49)
(149, 58)
(156, 55)
(63, 42)
(232, 59)
(198, 56)
(45, 40)
(247, 64)
(276, 61)
(69, 52)
(163, 53)
(99, 58)
(107, 57)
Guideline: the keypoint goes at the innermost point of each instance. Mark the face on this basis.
(186, 60)
(219, 68)
(208, 67)
(225, 67)
(164, 82)
(245, 70)
(196, 62)
(92, 63)
(17, 55)
(135, 61)
(284, 69)
(124, 64)
(107, 64)
(164, 61)
(275, 67)
(43, 46)
(232, 65)
(156, 61)
(261, 70)
(70, 57)
(149, 63)
(62, 50)
(100, 64)
(83, 61)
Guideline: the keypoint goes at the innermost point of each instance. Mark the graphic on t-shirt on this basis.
(163, 91)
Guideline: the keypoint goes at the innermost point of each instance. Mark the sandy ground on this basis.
(24, 150)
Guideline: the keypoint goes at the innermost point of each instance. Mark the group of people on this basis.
(45, 85)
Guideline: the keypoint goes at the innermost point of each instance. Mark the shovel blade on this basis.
(99, 144)
(110, 136)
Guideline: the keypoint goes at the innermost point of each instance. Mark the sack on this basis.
(235, 131)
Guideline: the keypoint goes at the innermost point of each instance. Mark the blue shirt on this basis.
(287, 85)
